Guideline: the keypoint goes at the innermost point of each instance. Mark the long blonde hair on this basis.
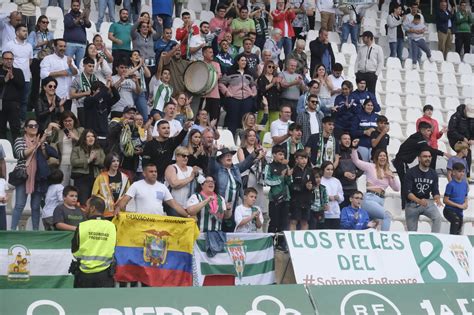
(381, 171)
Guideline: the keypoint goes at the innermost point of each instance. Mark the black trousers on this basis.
(35, 82)
(101, 279)
(212, 107)
(84, 186)
(463, 40)
(331, 224)
(10, 113)
(401, 168)
(455, 220)
(278, 219)
(370, 78)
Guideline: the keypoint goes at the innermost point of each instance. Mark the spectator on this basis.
(141, 70)
(102, 70)
(463, 21)
(164, 44)
(8, 23)
(119, 34)
(23, 52)
(163, 9)
(345, 108)
(81, 87)
(444, 26)
(261, 26)
(233, 50)
(183, 107)
(436, 134)
(248, 217)
(160, 89)
(272, 45)
(3, 193)
(417, 40)
(335, 196)
(111, 184)
(363, 126)
(126, 87)
(301, 191)
(300, 56)
(292, 85)
(418, 196)
(11, 92)
(346, 171)
(241, 26)
(303, 9)
(360, 95)
(211, 100)
(292, 144)
(353, 217)
(461, 149)
(64, 139)
(239, 88)
(209, 208)
(379, 178)
(283, 17)
(53, 198)
(461, 128)
(149, 195)
(268, 87)
(251, 47)
(350, 26)
(28, 13)
(197, 156)
(185, 33)
(224, 58)
(87, 159)
(102, 51)
(176, 65)
(455, 199)
(117, 135)
(60, 67)
(101, 7)
(220, 23)
(325, 87)
(336, 79)
(278, 177)
(68, 215)
(3, 164)
(311, 119)
(412, 147)
(49, 106)
(380, 139)
(374, 61)
(41, 39)
(31, 151)
(323, 146)
(395, 31)
(279, 127)
(75, 24)
(252, 53)
(414, 10)
(321, 51)
(320, 202)
(169, 112)
(312, 88)
(328, 13)
(249, 122)
(143, 38)
(180, 178)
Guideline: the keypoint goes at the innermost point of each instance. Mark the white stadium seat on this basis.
(432, 89)
(393, 87)
(412, 88)
(393, 63)
(437, 55)
(438, 115)
(394, 114)
(8, 7)
(411, 129)
(429, 66)
(465, 69)
(334, 38)
(206, 16)
(226, 138)
(467, 91)
(393, 100)
(395, 131)
(469, 59)
(394, 144)
(450, 90)
(430, 77)
(348, 49)
(413, 114)
(449, 78)
(453, 57)
(451, 103)
(447, 66)
(413, 101)
(393, 74)
(467, 79)
(433, 101)
(412, 75)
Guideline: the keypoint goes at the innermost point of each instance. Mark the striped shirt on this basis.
(162, 93)
(205, 220)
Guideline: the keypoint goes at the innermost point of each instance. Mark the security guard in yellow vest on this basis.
(93, 246)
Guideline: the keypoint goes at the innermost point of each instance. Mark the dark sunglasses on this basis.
(314, 102)
(184, 155)
(32, 126)
(271, 67)
(51, 86)
(45, 22)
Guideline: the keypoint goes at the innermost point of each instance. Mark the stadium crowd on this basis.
(121, 123)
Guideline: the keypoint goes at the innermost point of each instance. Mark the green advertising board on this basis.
(415, 299)
(249, 300)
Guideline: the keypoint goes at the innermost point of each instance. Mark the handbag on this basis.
(18, 176)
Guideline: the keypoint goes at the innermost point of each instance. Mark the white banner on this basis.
(331, 257)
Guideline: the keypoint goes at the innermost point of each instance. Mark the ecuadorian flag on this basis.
(155, 250)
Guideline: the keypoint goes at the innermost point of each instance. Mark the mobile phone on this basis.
(66, 132)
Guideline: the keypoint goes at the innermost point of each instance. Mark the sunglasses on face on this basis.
(271, 67)
(32, 126)
(51, 86)
(45, 22)
(184, 156)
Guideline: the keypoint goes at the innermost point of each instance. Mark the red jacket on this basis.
(182, 36)
(436, 134)
(279, 19)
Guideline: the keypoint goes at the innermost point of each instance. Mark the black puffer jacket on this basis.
(460, 126)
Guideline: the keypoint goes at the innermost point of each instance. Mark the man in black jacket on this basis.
(410, 149)
(461, 128)
(12, 83)
(444, 25)
(321, 52)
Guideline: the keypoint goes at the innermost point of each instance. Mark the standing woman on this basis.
(184, 111)
(102, 69)
(202, 123)
(249, 122)
(101, 49)
(239, 88)
(335, 195)
(49, 106)
(197, 156)
(379, 178)
(363, 124)
(141, 70)
(268, 86)
(111, 184)
(325, 88)
(64, 139)
(143, 38)
(87, 159)
(42, 42)
(27, 149)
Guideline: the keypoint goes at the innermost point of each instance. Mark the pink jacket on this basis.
(436, 133)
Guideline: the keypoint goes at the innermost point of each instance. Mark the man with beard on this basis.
(60, 67)
(8, 22)
(212, 99)
(176, 65)
(23, 52)
(252, 59)
(75, 24)
(164, 44)
(185, 33)
(197, 42)
(159, 151)
(119, 34)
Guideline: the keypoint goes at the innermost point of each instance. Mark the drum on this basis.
(200, 78)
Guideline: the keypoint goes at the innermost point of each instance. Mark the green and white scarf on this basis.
(86, 83)
(326, 152)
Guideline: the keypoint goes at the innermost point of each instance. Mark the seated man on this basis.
(353, 217)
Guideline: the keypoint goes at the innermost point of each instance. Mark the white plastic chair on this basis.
(393, 63)
(467, 91)
(394, 74)
(395, 133)
(412, 75)
(56, 18)
(450, 90)
(430, 66)
(340, 58)
(410, 129)
(206, 16)
(104, 29)
(413, 114)
(394, 144)
(467, 80)
(453, 57)
(334, 38)
(393, 100)
(177, 23)
(393, 87)
(348, 49)
(312, 35)
(464, 69)
(226, 138)
(432, 89)
(394, 114)
(8, 7)
(412, 88)
(448, 78)
(335, 47)
(438, 115)
(434, 101)
(413, 101)
(430, 77)
(451, 103)
(447, 66)
(437, 55)
(469, 59)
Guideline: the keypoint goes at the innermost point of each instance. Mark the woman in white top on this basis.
(335, 196)
(325, 88)
(180, 178)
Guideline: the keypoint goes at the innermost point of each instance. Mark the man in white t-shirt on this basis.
(279, 128)
(149, 195)
(175, 126)
(336, 80)
(197, 42)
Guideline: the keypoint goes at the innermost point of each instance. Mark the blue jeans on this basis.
(416, 47)
(396, 48)
(76, 51)
(374, 205)
(20, 203)
(364, 153)
(24, 101)
(103, 4)
(56, 3)
(286, 44)
(350, 29)
(141, 104)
